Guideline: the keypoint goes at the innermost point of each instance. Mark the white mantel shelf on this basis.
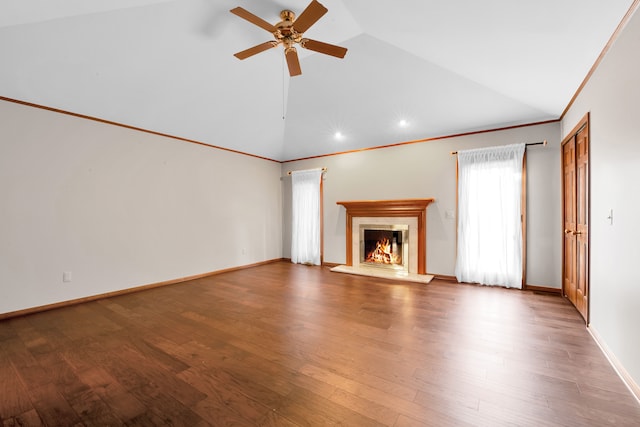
(390, 208)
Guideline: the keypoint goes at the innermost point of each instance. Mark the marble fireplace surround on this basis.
(412, 212)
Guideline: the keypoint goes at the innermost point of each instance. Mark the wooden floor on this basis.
(291, 345)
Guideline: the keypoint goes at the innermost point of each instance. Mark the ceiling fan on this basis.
(288, 32)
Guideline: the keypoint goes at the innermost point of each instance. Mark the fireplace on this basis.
(398, 231)
(384, 246)
(386, 238)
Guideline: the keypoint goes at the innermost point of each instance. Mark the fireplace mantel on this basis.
(390, 208)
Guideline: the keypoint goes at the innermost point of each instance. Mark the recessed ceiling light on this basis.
(403, 123)
(338, 135)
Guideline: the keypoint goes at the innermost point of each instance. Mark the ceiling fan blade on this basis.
(292, 62)
(326, 48)
(245, 14)
(309, 16)
(256, 49)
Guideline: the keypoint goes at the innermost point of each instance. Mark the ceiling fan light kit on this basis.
(289, 32)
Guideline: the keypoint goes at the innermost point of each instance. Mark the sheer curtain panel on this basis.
(305, 228)
(489, 216)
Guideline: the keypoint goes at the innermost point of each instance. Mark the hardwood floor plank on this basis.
(29, 418)
(223, 390)
(219, 414)
(306, 408)
(29, 370)
(164, 360)
(520, 414)
(123, 404)
(380, 413)
(14, 398)
(404, 421)
(273, 419)
(52, 408)
(356, 396)
(89, 405)
(154, 378)
(595, 411)
(290, 345)
(381, 397)
(266, 381)
(164, 396)
(359, 384)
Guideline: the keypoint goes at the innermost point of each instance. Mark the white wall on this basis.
(120, 208)
(427, 169)
(612, 96)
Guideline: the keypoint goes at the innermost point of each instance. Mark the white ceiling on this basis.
(446, 67)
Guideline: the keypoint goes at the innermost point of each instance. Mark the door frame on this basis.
(585, 121)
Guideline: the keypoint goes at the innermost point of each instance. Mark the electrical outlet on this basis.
(66, 276)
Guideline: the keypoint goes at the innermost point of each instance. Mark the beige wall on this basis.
(424, 170)
(612, 97)
(120, 208)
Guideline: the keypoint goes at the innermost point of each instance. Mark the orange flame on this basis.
(383, 253)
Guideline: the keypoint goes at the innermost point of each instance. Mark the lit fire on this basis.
(383, 253)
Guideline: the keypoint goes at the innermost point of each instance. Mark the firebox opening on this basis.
(384, 246)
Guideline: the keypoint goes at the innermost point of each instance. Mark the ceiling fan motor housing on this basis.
(285, 32)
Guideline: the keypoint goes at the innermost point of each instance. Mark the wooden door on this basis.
(569, 202)
(575, 188)
(582, 221)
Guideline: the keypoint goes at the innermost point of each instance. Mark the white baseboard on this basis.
(615, 363)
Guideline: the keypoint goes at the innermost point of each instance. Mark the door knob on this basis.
(567, 231)
(575, 233)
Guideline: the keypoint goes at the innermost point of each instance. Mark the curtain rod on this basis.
(323, 170)
(453, 153)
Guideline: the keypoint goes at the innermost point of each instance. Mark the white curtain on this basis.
(489, 216)
(305, 228)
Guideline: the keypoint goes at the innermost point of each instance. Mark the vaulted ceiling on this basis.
(444, 67)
